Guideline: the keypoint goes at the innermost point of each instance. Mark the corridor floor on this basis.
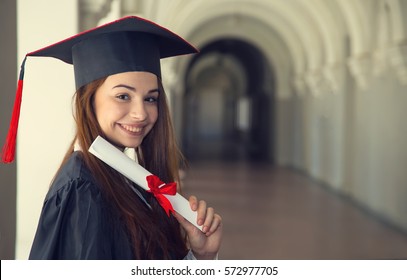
(277, 213)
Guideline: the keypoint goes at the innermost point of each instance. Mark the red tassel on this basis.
(9, 147)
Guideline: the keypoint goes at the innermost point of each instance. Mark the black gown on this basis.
(75, 221)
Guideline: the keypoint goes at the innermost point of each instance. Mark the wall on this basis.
(8, 78)
(46, 124)
(380, 154)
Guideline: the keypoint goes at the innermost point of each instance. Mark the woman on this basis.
(91, 211)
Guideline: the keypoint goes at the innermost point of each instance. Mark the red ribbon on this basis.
(158, 189)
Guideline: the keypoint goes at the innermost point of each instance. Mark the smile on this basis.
(133, 129)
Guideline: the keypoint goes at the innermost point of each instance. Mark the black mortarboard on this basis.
(124, 45)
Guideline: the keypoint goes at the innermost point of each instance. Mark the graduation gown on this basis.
(75, 221)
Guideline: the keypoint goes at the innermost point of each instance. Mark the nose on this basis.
(138, 111)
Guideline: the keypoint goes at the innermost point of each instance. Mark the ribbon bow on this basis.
(158, 189)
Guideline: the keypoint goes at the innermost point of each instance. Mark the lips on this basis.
(132, 129)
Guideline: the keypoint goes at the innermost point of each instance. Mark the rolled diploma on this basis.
(109, 154)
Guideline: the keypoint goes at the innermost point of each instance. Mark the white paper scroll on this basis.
(136, 173)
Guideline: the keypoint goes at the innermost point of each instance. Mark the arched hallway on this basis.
(278, 213)
(331, 76)
(227, 111)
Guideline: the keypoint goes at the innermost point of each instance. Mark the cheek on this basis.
(100, 113)
(104, 115)
(107, 111)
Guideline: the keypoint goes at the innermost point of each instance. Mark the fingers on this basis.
(200, 207)
(208, 219)
(216, 223)
(206, 216)
(204, 243)
(189, 228)
(201, 216)
(193, 202)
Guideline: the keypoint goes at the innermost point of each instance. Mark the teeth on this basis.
(131, 128)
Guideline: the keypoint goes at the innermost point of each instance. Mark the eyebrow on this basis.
(134, 89)
(125, 86)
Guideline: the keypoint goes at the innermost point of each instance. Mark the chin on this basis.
(124, 144)
(131, 144)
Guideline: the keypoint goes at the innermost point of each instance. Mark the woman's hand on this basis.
(204, 244)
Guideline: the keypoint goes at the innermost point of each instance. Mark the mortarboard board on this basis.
(128, 44)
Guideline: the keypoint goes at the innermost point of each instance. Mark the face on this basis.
(126, 107)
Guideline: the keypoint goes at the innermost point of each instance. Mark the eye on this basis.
(123, 96)
(151, 99)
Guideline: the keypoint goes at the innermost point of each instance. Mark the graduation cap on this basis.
(128, 44)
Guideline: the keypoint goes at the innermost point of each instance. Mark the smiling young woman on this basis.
(126, 107)
(91, 211)
(151, 234)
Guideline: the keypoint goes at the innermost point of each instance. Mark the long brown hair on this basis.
(152, 234)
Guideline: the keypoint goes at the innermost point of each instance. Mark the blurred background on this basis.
(291, 117)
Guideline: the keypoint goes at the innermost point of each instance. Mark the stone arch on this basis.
(253, 30)
(314, 55)
(398, 22)
(357, 23)
(256, 11)
(330, 25)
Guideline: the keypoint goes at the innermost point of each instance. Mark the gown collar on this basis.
(131, 153)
